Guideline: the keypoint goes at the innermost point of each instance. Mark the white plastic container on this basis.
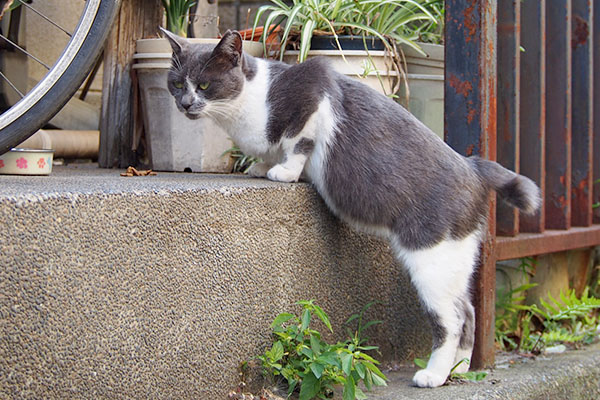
(26, 162)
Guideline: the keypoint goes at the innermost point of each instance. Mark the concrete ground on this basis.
(572, 375)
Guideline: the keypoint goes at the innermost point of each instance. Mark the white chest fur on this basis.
(248, 128)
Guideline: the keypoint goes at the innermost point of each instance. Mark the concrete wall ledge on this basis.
(158, 287)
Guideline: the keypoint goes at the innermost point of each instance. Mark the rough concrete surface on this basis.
(158, 287)
(574, 375)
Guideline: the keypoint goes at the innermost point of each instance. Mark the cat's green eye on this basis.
(204, 85)
(178, 85)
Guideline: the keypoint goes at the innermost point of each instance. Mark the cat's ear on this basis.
(177, 43)
(230, 47)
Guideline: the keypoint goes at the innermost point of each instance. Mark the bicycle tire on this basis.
(64, 78)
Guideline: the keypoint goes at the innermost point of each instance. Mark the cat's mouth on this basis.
(193, 115)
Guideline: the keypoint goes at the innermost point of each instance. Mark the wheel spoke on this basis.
(43, 16)
(11, 84)
(25, 51)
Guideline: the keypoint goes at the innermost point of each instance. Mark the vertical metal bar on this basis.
(582, 109)
(470, 128)
(533, 104)
(509, 26)
(558, 115)
(596, 105)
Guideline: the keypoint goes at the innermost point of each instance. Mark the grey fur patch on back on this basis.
(304, 146)
(388, 169)
(294, 95)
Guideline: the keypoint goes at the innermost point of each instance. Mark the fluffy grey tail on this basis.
(517, 190)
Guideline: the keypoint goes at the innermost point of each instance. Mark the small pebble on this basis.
(561, 348)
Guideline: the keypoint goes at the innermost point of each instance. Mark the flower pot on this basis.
(425, 76)
(273, 42)
(347, 42)
(356, 64)
(176, 143)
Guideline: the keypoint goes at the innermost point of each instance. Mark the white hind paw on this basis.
(425, 378)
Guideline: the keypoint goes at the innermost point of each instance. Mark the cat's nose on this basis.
(186, 102)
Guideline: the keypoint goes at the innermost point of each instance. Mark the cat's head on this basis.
(202, 75)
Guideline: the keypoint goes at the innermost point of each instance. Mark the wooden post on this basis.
(470, 128)
(137, 19)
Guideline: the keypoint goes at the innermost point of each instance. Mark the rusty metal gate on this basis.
(520, 87)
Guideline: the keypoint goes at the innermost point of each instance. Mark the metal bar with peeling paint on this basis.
(582, 111)
(558, 114)
(533, 105)
(509, 25)
(470, 128)
(596, 116)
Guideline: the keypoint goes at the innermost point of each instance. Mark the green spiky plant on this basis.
(387, 20)
(178, 15)
(569, 319)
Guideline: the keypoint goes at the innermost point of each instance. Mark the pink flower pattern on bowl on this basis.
(22, 163)
(1, 163)
(41, 163)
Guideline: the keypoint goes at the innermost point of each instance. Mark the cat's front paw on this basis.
(281, 174)
(427, 379)
(259, 170)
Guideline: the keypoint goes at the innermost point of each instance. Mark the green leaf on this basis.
(349, 389)
(323, 317)
(346, 363)
(368, 380)
(360, 395)
(378, 381)
(315, 345)
(317, 369)
(276, 351)
(307, 352)
(361, 370)
(376, 371)
(330, 359)
(281, 319)
(305, 319)
(310, 387)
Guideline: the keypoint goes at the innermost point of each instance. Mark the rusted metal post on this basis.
(596, 101)
(533, 104)
(509, 26)
(558, 115)
(137, 19)
(470, 128)
(582, 108)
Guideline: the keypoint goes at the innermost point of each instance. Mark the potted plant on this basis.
(372, 28)
(379, 33)
(174, 142)
(424, 93)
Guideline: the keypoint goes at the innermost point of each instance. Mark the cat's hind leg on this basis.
(467, 337)
(441, 274)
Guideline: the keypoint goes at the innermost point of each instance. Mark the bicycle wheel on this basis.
(64, 78)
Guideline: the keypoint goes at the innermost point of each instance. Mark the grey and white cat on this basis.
(376, 166)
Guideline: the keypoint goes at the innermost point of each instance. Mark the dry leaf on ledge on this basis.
(134, 172)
